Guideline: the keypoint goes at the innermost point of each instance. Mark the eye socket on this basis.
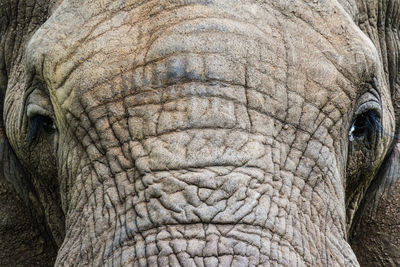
(366, 127)
(40, 124)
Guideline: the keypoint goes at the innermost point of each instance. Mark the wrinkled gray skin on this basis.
(200, 132)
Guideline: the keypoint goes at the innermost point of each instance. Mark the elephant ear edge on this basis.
(24, 238)
(375, 232)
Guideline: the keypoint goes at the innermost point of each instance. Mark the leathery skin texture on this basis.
(200, 132)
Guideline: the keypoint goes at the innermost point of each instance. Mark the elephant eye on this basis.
(40, 124)
(365, 127)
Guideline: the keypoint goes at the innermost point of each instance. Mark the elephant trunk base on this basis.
(205, 245)
(212, 245)
(216, 216)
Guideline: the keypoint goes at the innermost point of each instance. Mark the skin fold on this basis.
(201, 133)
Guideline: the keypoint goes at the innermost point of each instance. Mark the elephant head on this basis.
(201, 132)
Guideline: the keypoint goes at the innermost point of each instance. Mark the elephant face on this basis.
(202, 132)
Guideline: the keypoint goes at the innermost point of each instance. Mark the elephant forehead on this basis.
(126, 47)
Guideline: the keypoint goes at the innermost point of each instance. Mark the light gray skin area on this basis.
(199, 133)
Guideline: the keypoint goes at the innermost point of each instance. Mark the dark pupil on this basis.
(39, 123)
(366, 125)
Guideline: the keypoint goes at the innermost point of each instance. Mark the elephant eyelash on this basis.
(366, 122)
(39, 123)
(366, 125)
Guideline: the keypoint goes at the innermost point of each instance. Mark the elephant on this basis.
(199, 133)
